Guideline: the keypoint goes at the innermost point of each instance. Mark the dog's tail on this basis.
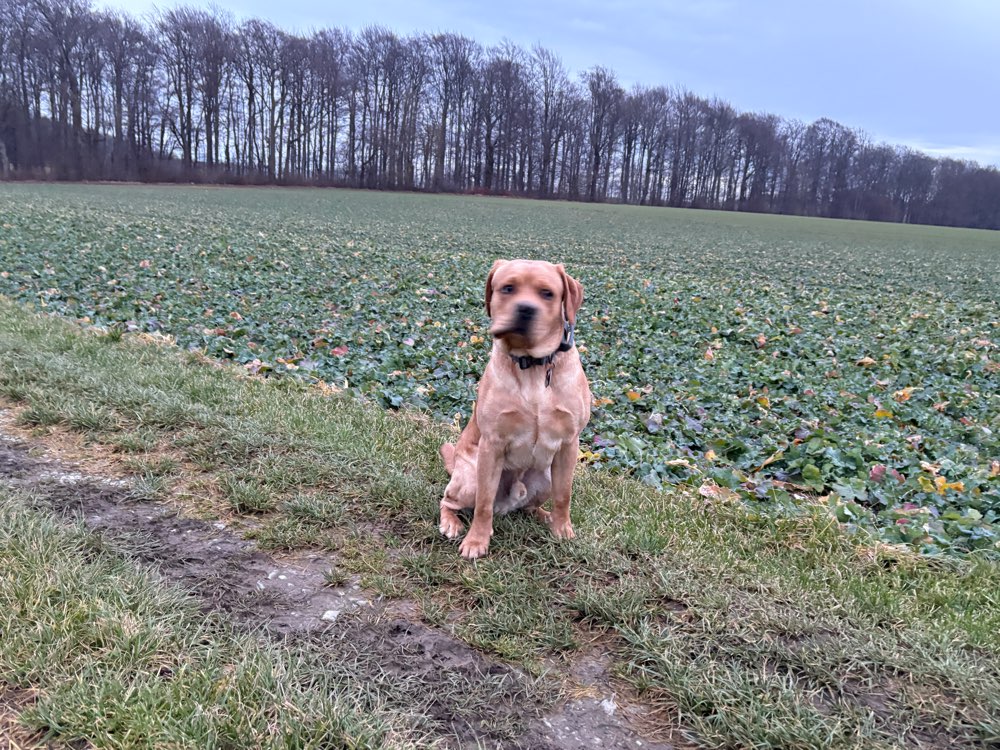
(447, 452)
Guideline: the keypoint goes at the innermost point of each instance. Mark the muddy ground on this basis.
(469, 699)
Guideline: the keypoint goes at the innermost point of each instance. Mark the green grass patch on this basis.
(247, 496)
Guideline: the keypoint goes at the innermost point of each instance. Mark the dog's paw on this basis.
(473, 547)
(451, 525)
(561, 529)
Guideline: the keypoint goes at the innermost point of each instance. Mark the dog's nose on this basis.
(526, 313)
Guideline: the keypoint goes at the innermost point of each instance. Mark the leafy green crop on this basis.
(773, 359)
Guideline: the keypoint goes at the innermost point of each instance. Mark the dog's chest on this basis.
(529, 452)
(536, 434)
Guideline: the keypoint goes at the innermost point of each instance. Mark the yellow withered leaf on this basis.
(943, 485)
(939, 485)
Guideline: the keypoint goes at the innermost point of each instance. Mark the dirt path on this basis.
(470, 699)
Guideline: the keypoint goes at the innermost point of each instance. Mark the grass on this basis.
(116, 658)
(750, 627)
(102, 651)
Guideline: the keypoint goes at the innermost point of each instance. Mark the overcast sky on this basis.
(924, 73)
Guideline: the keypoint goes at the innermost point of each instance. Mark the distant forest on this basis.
(190, 95)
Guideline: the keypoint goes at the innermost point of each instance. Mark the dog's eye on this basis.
(547, 294)
(507, 289)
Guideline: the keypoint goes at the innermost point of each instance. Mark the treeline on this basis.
(191, 95)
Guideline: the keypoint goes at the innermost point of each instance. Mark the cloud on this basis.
(588, 26)
(986, 154)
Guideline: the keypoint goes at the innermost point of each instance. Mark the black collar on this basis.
(525, 361)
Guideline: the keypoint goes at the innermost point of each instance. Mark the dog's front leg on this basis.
(562, 489)
(489, 469)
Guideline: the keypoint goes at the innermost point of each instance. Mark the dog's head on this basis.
(529, 301)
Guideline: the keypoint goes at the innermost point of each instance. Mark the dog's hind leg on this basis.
(511, 493)
(538, 486)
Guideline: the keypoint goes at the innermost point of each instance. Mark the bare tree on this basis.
(452, 59)
(504, 109)
(552, 91)
(64, 26)
(606, 98)
(180, 30)
(214, 54)
(329, 62)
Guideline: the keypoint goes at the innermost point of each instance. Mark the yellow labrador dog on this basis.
(521, 444)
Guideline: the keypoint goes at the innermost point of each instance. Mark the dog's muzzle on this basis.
(524, 316)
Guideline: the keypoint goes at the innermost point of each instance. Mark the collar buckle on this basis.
(569, 337)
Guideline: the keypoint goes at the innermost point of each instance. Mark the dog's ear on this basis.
(572, 295)
(489, 284)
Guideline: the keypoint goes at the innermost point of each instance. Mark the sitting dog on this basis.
(521, 444)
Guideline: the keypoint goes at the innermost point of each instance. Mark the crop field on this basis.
(770, 360)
